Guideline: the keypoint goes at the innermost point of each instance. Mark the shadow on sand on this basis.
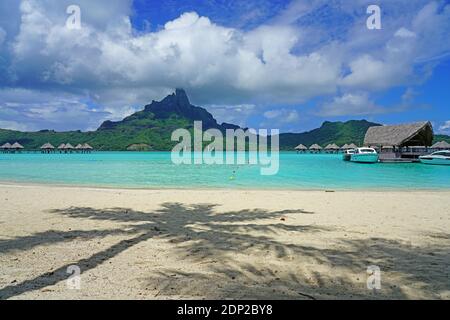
(201, 234)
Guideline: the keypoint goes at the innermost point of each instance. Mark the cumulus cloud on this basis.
(39, 110)
(350, 104)
(108, 64)
(282, 116)
(234, 114)
(445, 127)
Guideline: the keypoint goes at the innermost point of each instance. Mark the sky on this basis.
(279, 64)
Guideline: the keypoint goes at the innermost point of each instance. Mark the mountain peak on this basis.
(180, 92)
(182, 98)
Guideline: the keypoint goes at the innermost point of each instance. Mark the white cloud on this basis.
(37, 110)
(13, 125)
(120, 70)
(404, 33)
(282, 116)
(445, 127)
(234, 114)
(350, 104)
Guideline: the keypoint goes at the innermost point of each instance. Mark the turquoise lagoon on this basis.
(156, 170)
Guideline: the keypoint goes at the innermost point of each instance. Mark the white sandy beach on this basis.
(196, 244)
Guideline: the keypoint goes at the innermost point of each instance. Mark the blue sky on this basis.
(288, 64)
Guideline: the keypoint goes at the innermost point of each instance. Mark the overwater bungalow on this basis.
(87, 148)
(83, 148)
(68, 148)
(315, 148)
(6, 147)
(17, 147)
(406, 142)
(79, 147)
(301, 148)
(345, 147)
(332, 148)
(352, 146)
(61, 147)
(47, 148)
(441, 145)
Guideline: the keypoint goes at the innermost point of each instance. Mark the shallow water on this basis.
(156, 170)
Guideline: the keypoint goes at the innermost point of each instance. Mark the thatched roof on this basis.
(352, 146)
(138, 147)
(79, 147)
(87, 147)
(441, 145)
(315, 147)
(301, 147)
(332, 146)
(16, 146)
(68, 146)
(344, 147)
(62, 146)
(6, 146)
(419, 133)
(47, 146)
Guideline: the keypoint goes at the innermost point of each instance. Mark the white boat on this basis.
(364, 155)
(438, 158)
(346, 156)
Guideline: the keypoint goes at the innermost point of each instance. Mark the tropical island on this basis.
(150, 130)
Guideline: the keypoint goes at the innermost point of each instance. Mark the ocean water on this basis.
(156, 170)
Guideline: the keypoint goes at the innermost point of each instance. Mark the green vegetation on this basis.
(441, 137)
(330, 132)
(151, 129)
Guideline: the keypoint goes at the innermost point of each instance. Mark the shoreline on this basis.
(151, 188)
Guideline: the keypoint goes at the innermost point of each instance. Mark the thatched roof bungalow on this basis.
(352, 146)
(17, 146)
(441, 145)
(301, 147)
(47, 146)
(332, 146)
(62, 146)
(315, 147)
(414, 134)
(402, 140)
(86, 146)
(6, 146)
(68, 146)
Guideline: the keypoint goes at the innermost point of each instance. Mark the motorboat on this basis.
(364, 155)
(438, 158)
(346, 156)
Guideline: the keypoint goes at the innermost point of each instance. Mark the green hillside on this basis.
(441, 137)
(330, 132)
(151, 129)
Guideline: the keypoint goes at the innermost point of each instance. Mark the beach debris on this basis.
(283, 219)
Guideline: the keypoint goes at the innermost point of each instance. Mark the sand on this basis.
(222, 244)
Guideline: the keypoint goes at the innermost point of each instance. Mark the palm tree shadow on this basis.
(173, 221)
(203, 235)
